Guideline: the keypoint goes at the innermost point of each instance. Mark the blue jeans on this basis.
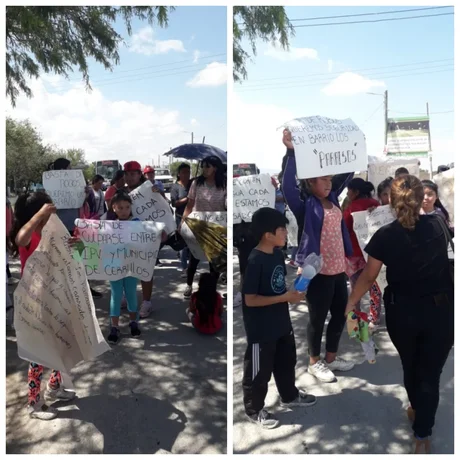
(185, 253)
(129, 285)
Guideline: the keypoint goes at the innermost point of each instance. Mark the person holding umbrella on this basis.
(208, 193)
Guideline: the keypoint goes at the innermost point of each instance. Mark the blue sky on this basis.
(169, 83)
(320, 55)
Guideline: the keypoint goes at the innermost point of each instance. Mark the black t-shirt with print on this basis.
(416, 260)
(265, 275)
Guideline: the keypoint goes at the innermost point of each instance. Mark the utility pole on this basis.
(429, 142)
(385, 103)
(192, 137)
(204, 137)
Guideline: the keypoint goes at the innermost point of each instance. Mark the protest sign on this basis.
(151, 206)
(66, 188)
(54, 315)
(446, 184)
(325, 146)
(251, 193)
(292, 229)
(219, 218)
(116, 249)
(365, 224)
(382, 167)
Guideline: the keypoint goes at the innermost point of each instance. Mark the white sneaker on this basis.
(340, 365)
(188, 292)
(42, 412)
(58, 395)
(237, 300)
(146, 309)
(321, 371)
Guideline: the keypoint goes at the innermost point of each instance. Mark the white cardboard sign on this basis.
(219, 218)
(54, 315)
(151, 206)
(382, 167)
(446, 185)
(251, 193)
(66, 188)
(116, 249)
(365, 224)
(325, 146)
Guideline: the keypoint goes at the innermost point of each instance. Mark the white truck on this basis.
(163, 175)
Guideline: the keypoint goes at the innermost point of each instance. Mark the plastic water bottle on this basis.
(303, 280)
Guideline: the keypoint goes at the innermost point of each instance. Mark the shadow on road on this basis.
(164, 392)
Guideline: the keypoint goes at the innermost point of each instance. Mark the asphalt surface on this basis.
(362, 413)
(164, 392)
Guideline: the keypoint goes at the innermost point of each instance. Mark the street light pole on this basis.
(385, 102)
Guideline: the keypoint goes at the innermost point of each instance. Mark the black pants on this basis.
(326, 294)
(8, 272)
(191, 269)
(260, 361)
(422, 330)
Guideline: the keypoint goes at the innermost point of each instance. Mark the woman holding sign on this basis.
(208, 193)
(419, 299)
(324, 232)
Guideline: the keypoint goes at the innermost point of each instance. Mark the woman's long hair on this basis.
(437, 204)
(406, 199)
(220, 177)
(206, 297)
(27, 205)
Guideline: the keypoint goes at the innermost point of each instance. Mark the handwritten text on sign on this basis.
(66, 188)
(251, 193)
(117, 249)
(325, 146)
(55, 320)
(381, 168)
(219, 218)
(365, 224)
(151, 206)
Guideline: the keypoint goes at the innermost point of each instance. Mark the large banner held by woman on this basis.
(54, 315)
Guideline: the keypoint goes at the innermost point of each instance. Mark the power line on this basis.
(370, 14)
(373, 113)
(351, 70)
(372, 20)
(320, 83)
(325, 80)
(70, 81)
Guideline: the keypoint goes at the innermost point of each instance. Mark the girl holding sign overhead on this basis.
(324, 232)
(208, 193)
(32, 212)
(419, 299)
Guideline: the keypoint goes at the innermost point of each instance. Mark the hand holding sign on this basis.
(287, 139)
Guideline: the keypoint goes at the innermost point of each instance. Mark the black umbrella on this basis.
(197, 152)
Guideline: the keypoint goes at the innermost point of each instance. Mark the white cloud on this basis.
(349, 84)
(144, 42)
(330, 65)
(103, 128)
(196, 56)
(294, 54)
(258, 140)
(214, 74)
(194, 122)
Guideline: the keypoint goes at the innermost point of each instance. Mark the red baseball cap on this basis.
(132, 166)
(149, 169)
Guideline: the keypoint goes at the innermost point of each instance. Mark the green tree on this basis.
(61, 39)
(26, 156)
(89, 171)
(268, 23)
(174, 166)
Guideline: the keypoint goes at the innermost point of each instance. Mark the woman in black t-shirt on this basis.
(419, 299)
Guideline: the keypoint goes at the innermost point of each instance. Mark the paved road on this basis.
(164, 392)
(362, 413)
